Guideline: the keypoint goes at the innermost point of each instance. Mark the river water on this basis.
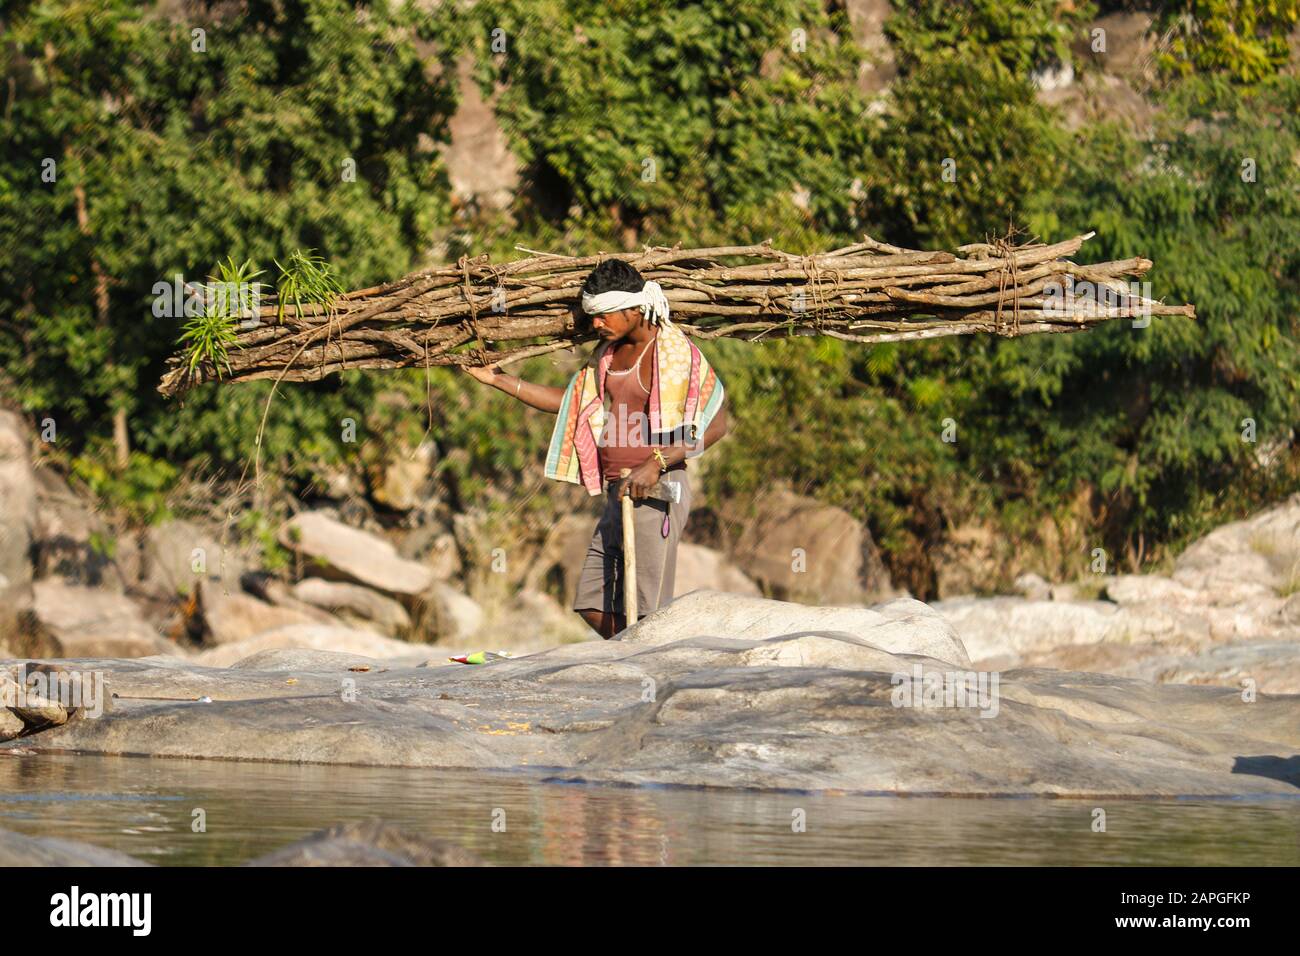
(145, 807)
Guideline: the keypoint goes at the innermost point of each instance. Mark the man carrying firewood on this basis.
(646, 400)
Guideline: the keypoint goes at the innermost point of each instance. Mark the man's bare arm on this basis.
(717, 428)
(545, 398)
(645, 475)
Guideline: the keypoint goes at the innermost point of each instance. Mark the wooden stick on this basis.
(629, 554)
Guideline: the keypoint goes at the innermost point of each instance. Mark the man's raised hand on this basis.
(485, 374)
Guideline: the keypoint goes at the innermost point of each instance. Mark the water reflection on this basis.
(145, 807)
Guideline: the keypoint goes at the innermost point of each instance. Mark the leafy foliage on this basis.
(1243, 39)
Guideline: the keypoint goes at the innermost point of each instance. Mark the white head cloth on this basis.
(650, 300)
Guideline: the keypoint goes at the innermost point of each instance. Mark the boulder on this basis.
(11, 725)
(355, 605)
(274, 591)
(997, 630)
(232, 616)
(1211, 621)
(316, 637)
(75, 621)
(71, 541)
(35, 712)
(802, 550)
(780, 706)
(17, 849)
(432, 545)
(447, 615)
(369, 843)
(902, 626)
(344, 553)
(1033, 586)
(1144, 588)
(1272, 667)
(701, 568)
(528, 621)
(1246, 560)
(177, 554)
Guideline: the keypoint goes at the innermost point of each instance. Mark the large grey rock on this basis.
(809, 710)
(71, 541)
(559, 563)
(347, 553)
(178, 554)
(1271, 667)
(701, 568)
(11, 725)
(1246, 560)
(447, 615)
(32, 709)
(317, 637)
(1230, 595)
(369, 843)
(76, 621)
(17, 849)
(526, 622)
(354, 604)
(232, 616)
(802, 550)
(903, 625)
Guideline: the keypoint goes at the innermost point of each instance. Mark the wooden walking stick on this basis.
(629, 555)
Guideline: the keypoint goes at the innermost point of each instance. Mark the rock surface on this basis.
(232, 616)
(17, 849)
(803, 550)
(447, 615)
(354, 604)
(354, 555)
(311, 637)
(715, 690)
(700, 568)
(1229, 613)
(89, 622)
(178, 554)
(70, 539)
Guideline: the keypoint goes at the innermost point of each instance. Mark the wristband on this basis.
(663, 462)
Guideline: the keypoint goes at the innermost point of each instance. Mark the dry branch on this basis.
(480, 312)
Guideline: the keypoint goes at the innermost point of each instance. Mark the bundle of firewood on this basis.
(480, 312)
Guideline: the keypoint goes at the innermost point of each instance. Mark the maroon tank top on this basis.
(625, 438)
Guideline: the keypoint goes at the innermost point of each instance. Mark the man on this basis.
(647, 399)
